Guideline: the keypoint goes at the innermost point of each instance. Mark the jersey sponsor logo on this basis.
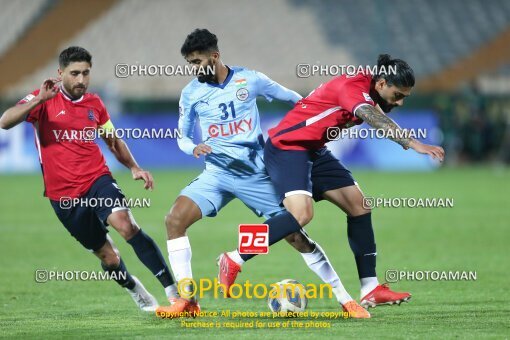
(242, 94)
(91, 115)
(253, 239)
(230, 129)
(63, 112)
(81, 136)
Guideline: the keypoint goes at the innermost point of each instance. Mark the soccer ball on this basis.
(287, 296)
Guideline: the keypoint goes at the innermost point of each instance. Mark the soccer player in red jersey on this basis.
(81, 189)
(302, 169)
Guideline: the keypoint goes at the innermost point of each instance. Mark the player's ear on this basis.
(379, 84)
(60, 72)
(215, 55)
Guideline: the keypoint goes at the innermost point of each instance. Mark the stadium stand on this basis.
(317, 32)
(15, 18)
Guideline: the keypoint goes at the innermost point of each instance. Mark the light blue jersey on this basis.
(229, 118)
(229, 122)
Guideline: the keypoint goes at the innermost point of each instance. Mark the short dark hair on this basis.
(200, 40)
(404, 75)
(74, 54)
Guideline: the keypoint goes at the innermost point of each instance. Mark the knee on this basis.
(360, 208)
(127, 228)
(174, 220)
(357, 204)
(300, 207)
(303, 216)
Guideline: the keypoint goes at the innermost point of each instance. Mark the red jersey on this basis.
(71, 161)
(332, 104)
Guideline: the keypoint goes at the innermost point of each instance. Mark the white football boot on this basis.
(143, 299)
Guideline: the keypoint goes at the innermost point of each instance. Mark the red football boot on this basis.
(383, 295)
(228, 270)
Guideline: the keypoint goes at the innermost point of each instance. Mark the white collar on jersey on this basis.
(68, 97)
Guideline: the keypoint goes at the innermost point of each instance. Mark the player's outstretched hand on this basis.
(201, 149)
(145, 175)
(434, 151)
(49, 89)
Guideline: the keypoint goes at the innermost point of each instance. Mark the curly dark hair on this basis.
(200, 40)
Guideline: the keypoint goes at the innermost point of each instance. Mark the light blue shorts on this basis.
(212, 190)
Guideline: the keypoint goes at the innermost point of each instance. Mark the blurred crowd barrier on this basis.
(473, 128)
(476, 128)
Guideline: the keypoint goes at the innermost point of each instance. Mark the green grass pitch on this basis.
(471, 236)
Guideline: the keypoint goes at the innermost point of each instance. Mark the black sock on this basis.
(279, 226)
(362, 242)
(120, 275)
(150, 255)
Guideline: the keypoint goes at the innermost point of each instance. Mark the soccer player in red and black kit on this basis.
(302, 168)
(74, 167)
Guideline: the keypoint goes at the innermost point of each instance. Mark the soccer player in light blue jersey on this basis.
(224, 103)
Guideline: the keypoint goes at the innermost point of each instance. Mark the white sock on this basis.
(234, 255)
(179, 256)
(171, 291)
(319, 263)
(368, 284)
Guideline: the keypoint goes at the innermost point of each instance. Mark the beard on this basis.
(79, 88)
(206, 78)
(74, 92)
(78, 91)
(203, 74)
(385, 106)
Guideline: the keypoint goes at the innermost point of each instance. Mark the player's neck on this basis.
(222, 73)
(68, 95)
(374, 94)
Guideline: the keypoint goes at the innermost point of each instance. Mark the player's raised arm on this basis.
(272, 90)
(121, 151)
(377, 119)
(18, 113)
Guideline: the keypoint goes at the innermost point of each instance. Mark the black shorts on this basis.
(87, 221)
(309, 172)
